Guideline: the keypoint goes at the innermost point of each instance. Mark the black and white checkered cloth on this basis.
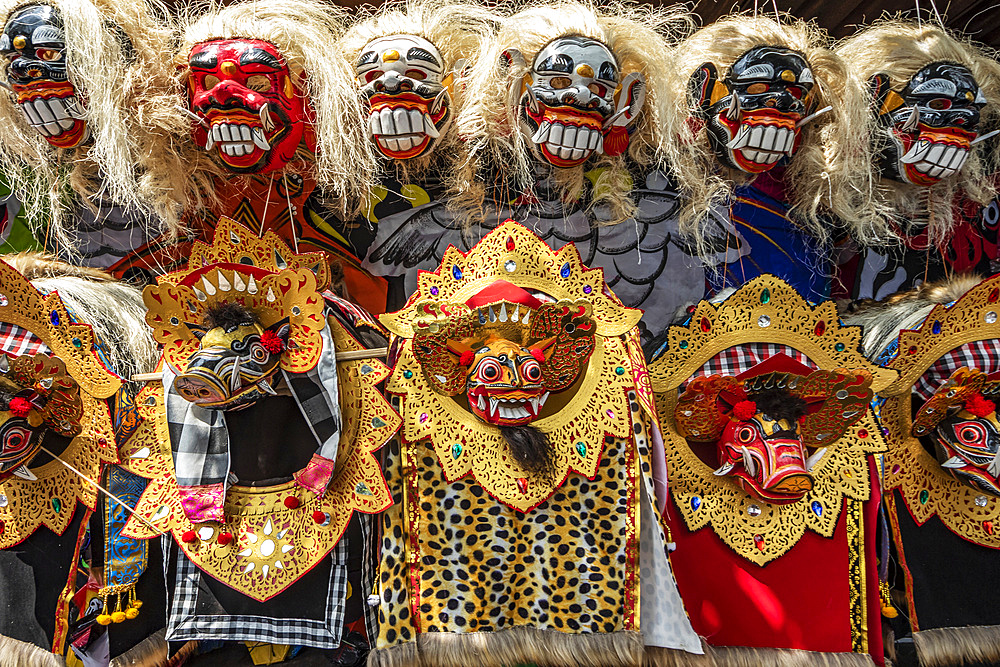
(735, 360)
(199, 438)
(17, 341)
(981, 354)
(188, 620)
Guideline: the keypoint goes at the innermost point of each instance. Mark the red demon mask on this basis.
(765, 424)
(254, 113)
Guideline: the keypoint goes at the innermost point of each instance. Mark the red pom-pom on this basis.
(745, 410)
(979, 406)
(319, 517)
(291, 502)
(188, 536)
(272, 342)
(20, 407)
(467, 358)
(225, 538)
(538, 354)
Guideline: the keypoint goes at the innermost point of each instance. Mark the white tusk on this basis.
(724, 469)
(439, 101)
(814, 115)
(196, 117)
(615, 116)
(733, 112)
(912, 122)
(266, 120)
(748, 462)
(24, 473)
(984, 137)
(814, 459)
(429, 128)
(259, 139)
(954, 462)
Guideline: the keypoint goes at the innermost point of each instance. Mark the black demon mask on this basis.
(34, 44)
(931, 124)
(754, 114)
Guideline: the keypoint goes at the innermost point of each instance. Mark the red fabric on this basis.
(798, 601)
(501, 290)
(875, 647)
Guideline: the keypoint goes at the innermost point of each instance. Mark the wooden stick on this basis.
(347, 355)
(104, 491)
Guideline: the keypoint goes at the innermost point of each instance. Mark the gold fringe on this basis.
(543, 648)
(746, 656)
(958, 646)
(15, 653)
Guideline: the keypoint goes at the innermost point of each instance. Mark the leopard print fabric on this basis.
(455, 560)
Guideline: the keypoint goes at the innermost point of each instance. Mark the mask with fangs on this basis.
(34, 44)
(930, 125)
(754, 113)
(254, 112)
(576, 103)
(403, 78)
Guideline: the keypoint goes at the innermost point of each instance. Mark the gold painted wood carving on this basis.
(595, 407)
(926, 487)
(77, 381)
(765, 310)
(269, 541)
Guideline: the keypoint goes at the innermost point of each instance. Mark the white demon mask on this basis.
(405, 81)
(576, 102)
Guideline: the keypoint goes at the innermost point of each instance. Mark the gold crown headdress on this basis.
(926, 487)
(766, 310)
(598, 407)
(254, 549)
(72, 378)
(263, 274)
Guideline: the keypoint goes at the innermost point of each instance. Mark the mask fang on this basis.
(814, 116)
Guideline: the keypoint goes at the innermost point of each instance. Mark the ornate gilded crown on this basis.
(261, 273)
(72, 382)
(926, 487)
(768, 310)
(568, 307)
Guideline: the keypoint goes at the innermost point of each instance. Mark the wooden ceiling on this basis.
(979, 19)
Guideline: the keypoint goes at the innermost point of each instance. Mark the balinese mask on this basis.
(35, 47)
(931, 124)
(508, 352)
(965, 429)
(504, 386)
(236, 362)
(766, 425)
(576, 103)
(755, 113)
(253, 111)
(36, 396)
(403, 78)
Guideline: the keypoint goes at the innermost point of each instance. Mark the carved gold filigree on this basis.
(272, 544)
(51, 499)
(595, 408)
(765, 310)
(233, 243)
(519, 257)
(926, 488)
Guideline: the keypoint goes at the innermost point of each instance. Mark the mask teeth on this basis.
(266, 120)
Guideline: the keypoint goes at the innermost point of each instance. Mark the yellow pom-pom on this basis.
(889, 612)
(104, 619)
(118, 616)
(131, 612)
(137, 604)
